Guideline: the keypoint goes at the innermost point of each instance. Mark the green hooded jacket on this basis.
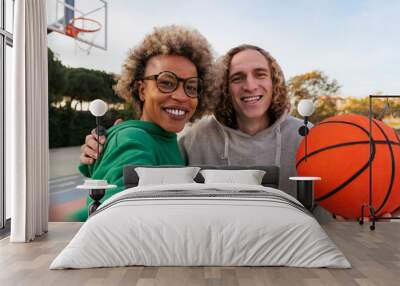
(131, 142)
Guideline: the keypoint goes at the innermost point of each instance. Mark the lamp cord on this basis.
(306, 133)
(97, 132)
(305, 147)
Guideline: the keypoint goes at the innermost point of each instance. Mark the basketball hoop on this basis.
(77, 25)
(86, 29)
(85, 21)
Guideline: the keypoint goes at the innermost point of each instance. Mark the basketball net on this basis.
(83, 46)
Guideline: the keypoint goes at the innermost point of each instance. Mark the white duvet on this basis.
(225, 225)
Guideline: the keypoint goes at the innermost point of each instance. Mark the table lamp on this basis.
(305, 109)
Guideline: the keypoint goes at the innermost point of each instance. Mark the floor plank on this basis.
(375, 257)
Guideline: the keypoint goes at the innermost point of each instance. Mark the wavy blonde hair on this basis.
(224, 111)
(168, 40)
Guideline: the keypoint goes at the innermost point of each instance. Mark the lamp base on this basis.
(96, 195)
(303, 130)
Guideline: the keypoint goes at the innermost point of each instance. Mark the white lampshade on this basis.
(98, 107)
(305, 107)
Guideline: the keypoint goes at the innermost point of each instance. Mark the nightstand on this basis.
(305, 190)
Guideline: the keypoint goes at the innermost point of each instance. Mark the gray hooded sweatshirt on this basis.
(208, 142)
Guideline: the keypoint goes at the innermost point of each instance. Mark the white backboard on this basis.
(75, 18)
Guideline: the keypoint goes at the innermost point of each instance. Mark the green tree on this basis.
(56, 78)
(317, 86)
(312, 85)
(361, 106)
(85, 85)
(67, 126)
(325, 106)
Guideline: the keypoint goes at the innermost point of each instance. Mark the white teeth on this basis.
(251, 98)
(177, 112)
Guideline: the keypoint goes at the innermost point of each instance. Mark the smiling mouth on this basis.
(251, 99)
(176, 113)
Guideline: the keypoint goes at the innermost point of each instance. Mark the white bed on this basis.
(201, 224)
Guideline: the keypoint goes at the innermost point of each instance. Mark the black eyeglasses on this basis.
(167, 82)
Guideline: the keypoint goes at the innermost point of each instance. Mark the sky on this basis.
(356, 42)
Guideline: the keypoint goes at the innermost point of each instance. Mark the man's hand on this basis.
(89, 149)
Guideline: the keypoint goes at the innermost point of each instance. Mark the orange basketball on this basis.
(338, 151)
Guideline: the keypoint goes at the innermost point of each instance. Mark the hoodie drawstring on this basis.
(278, 145)
(226, 146)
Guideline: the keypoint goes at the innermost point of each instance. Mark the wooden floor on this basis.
(375, 256)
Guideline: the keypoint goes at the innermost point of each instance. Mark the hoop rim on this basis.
(73, 31)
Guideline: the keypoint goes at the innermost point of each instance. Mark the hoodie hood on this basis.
(261, 133)
(236, 134)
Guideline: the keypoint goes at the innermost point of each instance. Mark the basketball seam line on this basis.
(369, 163)
(372, 156)
(392, 171)
(379, 142)
(344, 122)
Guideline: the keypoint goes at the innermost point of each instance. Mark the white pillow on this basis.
(248, 177)
(163, 176)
